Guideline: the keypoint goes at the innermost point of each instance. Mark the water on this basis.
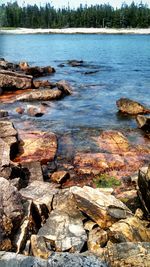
(122, 69)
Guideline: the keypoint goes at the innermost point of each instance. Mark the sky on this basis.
(75, 3)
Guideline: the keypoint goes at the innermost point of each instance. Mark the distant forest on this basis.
(33, 16)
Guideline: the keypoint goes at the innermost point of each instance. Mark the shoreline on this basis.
(76, 31)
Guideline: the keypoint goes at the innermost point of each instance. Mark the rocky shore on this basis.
(93, 211)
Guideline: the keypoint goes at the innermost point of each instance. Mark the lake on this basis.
(114, 66)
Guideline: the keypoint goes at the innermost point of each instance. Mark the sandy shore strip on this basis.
(76, 31)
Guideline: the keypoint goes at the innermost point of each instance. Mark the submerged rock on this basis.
(102, 208)
(75, 63)
(65, 87)
(12, 80)
(131, 107)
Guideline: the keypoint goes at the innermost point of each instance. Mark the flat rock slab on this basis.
(37, 146)
(102, 208)
(117, 156)
(10, 80)
(41, 95)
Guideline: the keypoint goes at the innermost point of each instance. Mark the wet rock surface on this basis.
(131, 107)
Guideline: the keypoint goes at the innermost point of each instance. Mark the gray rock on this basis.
(8, 259)
(12, 80)
(74, 260)
(65, 231)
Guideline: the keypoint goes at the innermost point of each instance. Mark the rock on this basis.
(42, 84)
(65, 87)
(131, 107)
(16, 260)
(39, 71)
(37, 146)
(23, 65)
(144, 188)
(64, 231)
(74, 260)
(117, 157)
(11, 213)
(75, 63)
(12, 80)
(102, 208)
(41, 194)
(129, 230)
(56, 260)
(8, 133)
(97, 239)
(39, 248)
(3, 113)
(89, 225)
(41, 95)
(5, 65)
(5, 169)
(143, 122)
(35, 111)
(32, 171)
(128, 254)
(20, 110)
(60, 176)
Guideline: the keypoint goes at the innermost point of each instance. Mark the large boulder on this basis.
(128, 254)
(11, 213)
(37, 146)
(64, 231)
(128, 106)
(12, 80)
(129, 230)
(144, 187)
(102, 208)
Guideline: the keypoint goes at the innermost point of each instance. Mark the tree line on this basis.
(33, 16)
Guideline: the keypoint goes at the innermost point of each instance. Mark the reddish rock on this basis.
(42, 83)
(118, 157)
(37, 146)
(41, 95)
(20, 110)
(60, 176)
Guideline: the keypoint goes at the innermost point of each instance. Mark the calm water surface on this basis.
(122, 69)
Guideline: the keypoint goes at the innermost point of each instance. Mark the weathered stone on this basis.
(16, 260)
(35, 111)
(56, 260)
(3, 113)
(12, 80)
(39, 248)
(129, 230)
(144, 187)
(60, 176)
(65, 87)
(143, 122)
(89, 225)
(11, 212)
(74, 260)
(32, 171)
(41, 95)
(117, 156)
(41, 193)
(102, 208)
(5, 65)
(39, 71)
(128, 254)
(64, 231)
(97, 239)
(42, 84)
(37, 146)
(128, 106)
(20, 110)
(8, 133)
